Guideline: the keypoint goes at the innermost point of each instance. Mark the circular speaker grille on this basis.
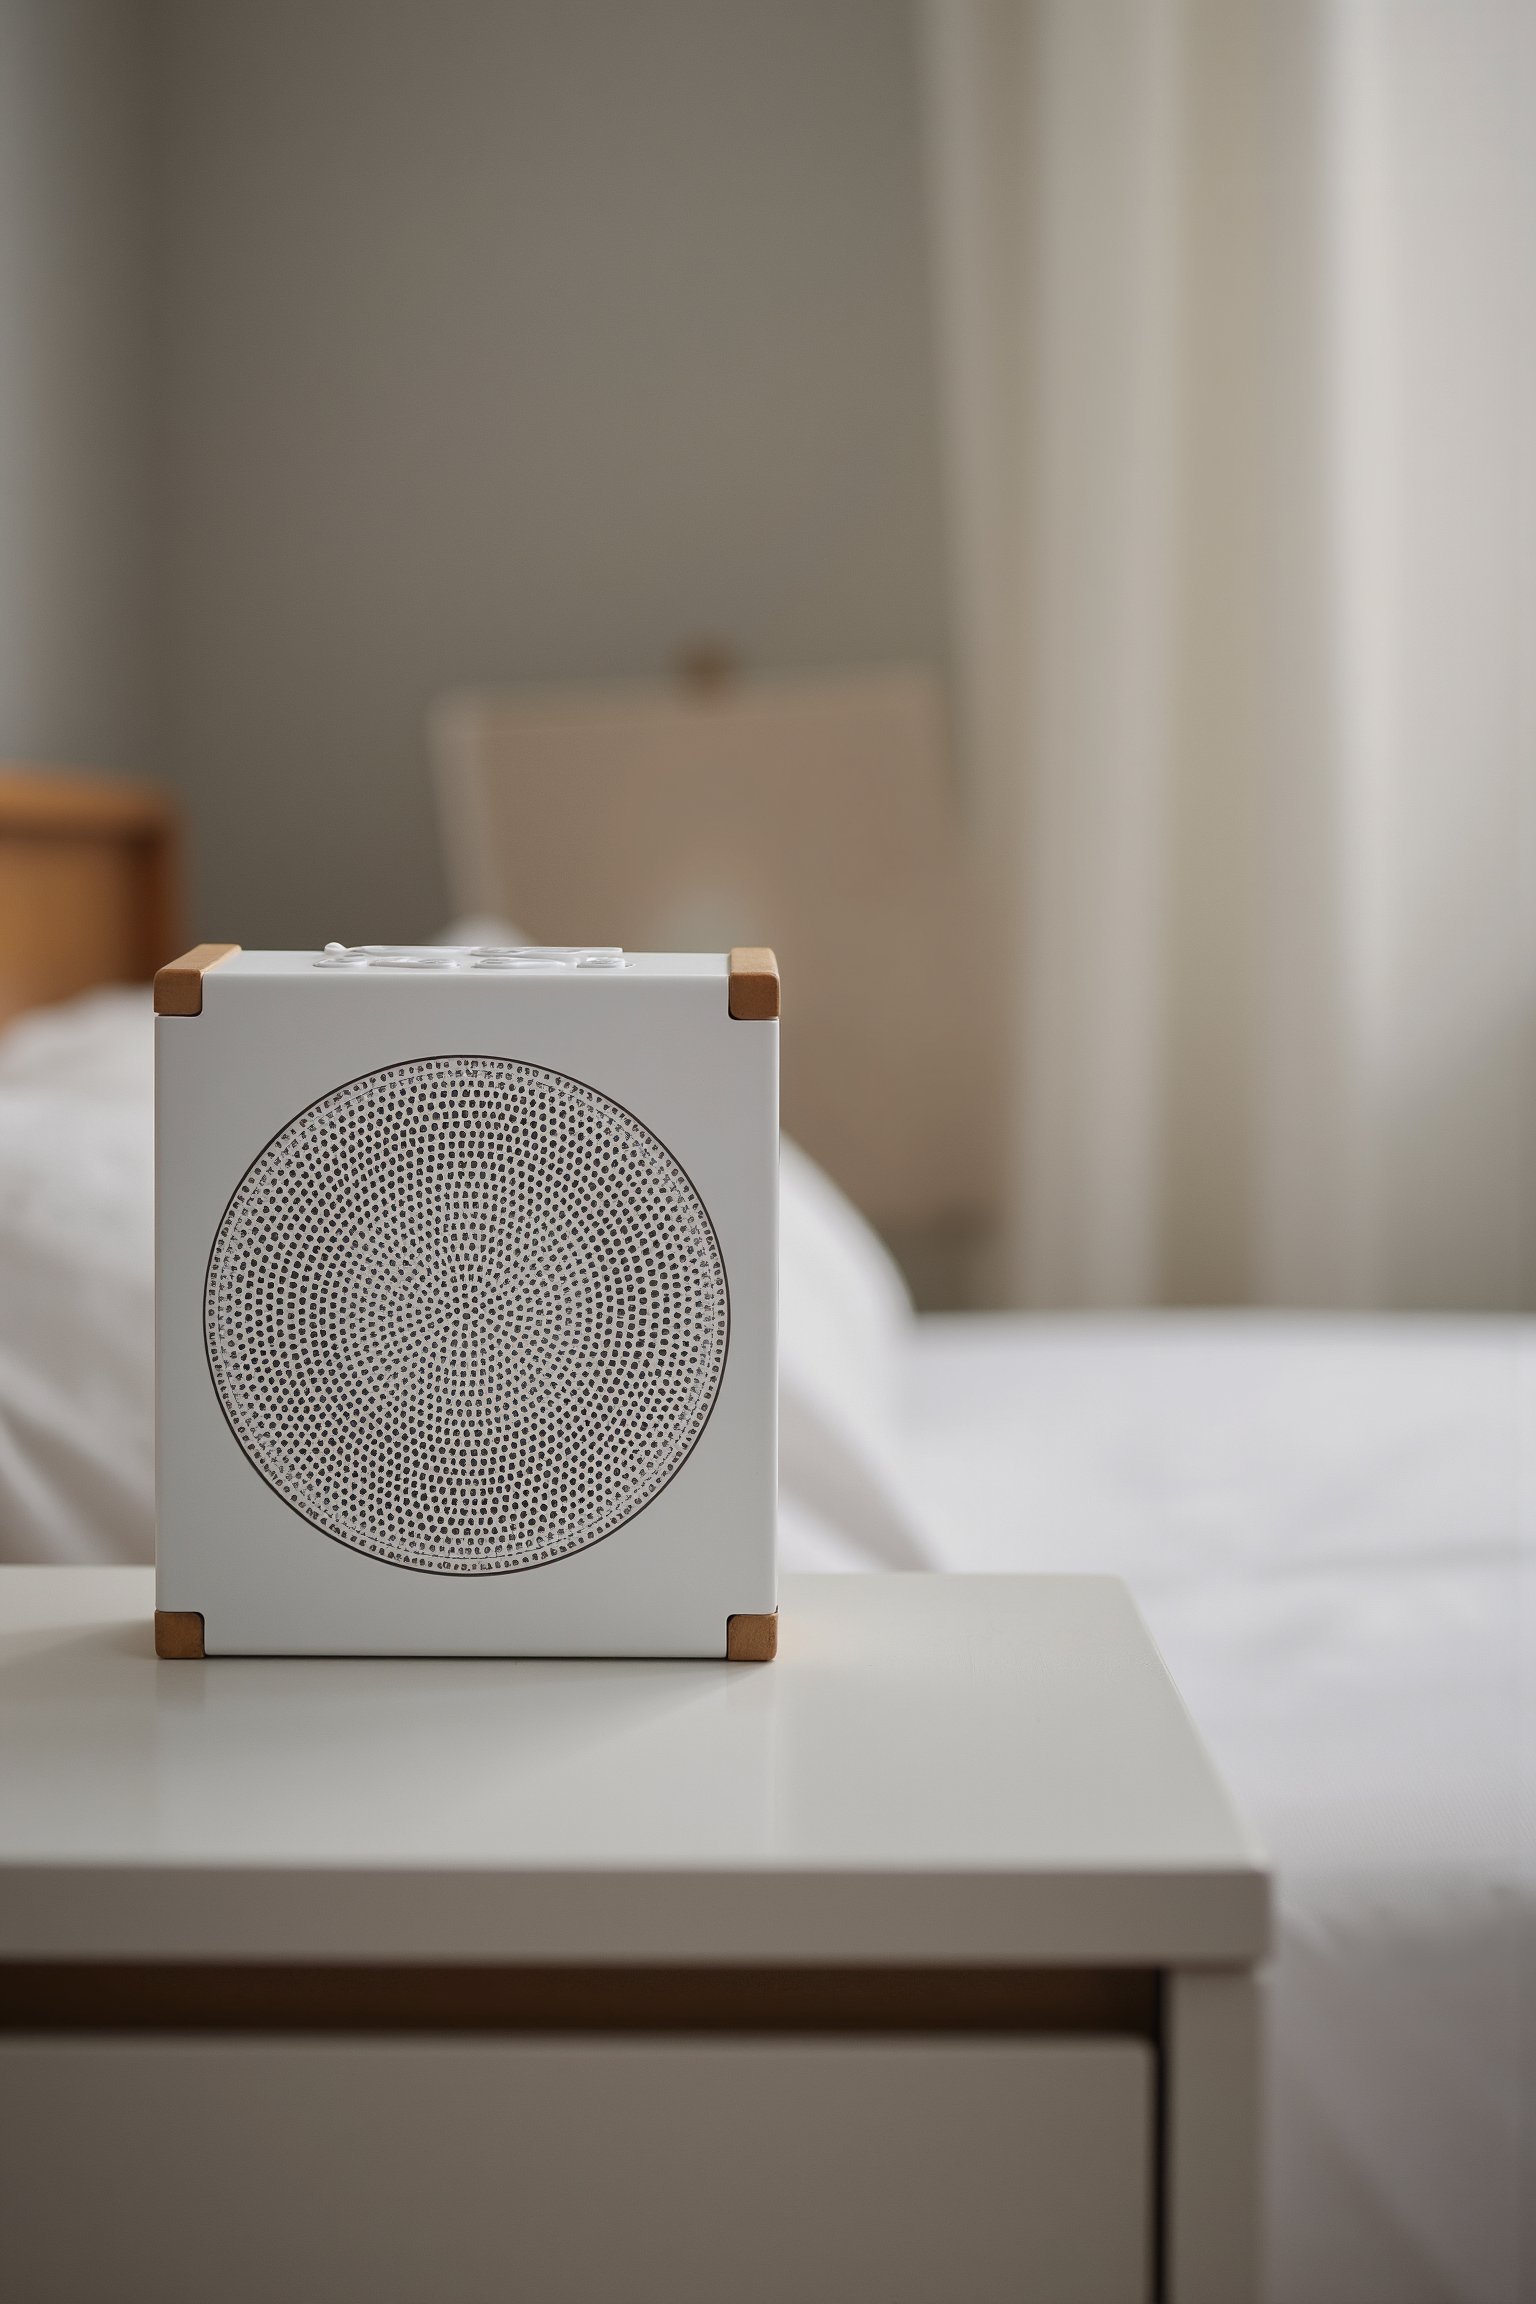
(466, 1315)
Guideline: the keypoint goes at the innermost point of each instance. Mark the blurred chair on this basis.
(817, 815)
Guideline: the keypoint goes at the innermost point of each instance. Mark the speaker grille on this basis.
(466, 1315)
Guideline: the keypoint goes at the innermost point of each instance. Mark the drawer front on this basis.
(585, 2171)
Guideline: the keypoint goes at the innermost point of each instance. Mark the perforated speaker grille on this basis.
(466, 1315)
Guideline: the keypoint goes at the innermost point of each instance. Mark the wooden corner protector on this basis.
(754, 987)
(752, 1639)
(178, 1633)
(179, 984)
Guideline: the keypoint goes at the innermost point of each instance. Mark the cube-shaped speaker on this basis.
(466, 1302)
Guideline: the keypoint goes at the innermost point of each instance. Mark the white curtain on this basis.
(1236, 329)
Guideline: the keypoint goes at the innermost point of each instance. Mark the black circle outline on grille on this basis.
(513, 1568)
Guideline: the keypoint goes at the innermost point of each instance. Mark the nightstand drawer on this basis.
(831, 2172)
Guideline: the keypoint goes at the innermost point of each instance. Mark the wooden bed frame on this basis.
(89, 884)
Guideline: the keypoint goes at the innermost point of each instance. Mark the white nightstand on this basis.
(916, 1967)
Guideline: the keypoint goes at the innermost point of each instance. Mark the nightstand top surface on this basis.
(937, 1768)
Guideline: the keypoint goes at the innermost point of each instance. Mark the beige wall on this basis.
(515, 342)
(71, 382)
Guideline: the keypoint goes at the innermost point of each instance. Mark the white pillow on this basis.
(845, 1320)
(77, 1375)
(77, 1316)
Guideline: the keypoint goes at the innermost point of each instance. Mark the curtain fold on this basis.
(1235, 332)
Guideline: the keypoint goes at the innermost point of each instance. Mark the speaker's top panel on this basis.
(476, 959)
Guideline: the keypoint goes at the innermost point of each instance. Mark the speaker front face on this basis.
(481, 1348)
(466, 1315)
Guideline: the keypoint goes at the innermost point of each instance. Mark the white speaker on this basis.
(466, 1302)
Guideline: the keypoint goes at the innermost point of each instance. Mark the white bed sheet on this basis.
(1325, 1522)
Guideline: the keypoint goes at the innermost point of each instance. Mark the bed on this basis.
(1323, 1520)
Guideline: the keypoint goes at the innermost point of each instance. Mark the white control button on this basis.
(511, 958)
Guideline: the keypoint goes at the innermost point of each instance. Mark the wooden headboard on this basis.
(89, 884)
(816, 815)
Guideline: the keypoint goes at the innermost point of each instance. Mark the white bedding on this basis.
(1323, 1521)
(77, 1374)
